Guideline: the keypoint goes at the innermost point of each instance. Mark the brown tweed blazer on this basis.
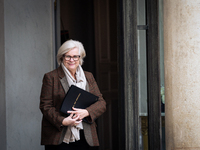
(53, 91)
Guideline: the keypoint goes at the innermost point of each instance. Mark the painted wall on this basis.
(2, 81)
(26, 53)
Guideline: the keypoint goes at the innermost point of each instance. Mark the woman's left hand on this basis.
(82, 113)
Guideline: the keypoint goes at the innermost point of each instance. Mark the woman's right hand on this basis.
(70, 121)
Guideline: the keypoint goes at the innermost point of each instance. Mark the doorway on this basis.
(109, 31)
(94, 23)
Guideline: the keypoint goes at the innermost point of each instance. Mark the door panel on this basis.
(106, 70)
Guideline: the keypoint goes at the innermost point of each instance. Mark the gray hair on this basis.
(69, 45)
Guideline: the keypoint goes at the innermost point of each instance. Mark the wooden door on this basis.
(107, 70)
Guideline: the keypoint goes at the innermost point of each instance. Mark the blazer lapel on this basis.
(65, 84)
(63, 79)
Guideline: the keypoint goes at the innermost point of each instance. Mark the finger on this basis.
(71, 115)
(76, 109)
(77, 122)
(76, 118)
(71, 112)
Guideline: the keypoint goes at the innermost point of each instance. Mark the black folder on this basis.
(77, 98)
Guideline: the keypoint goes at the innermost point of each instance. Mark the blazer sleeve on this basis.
(47, 105)
(97, 109)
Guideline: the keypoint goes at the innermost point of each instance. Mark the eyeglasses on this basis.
(75, 57)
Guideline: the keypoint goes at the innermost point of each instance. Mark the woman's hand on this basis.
(71, 120)
(81, 113)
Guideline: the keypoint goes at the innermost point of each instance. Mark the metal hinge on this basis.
(142, 27)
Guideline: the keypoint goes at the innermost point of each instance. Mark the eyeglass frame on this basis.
(71, 57)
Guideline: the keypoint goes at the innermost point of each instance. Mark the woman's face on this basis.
(71, 64)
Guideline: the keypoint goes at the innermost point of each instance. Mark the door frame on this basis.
(153, 76)
(128, 78)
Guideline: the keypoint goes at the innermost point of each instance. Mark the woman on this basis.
(58, 131)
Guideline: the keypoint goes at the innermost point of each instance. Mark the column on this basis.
(182, 73)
